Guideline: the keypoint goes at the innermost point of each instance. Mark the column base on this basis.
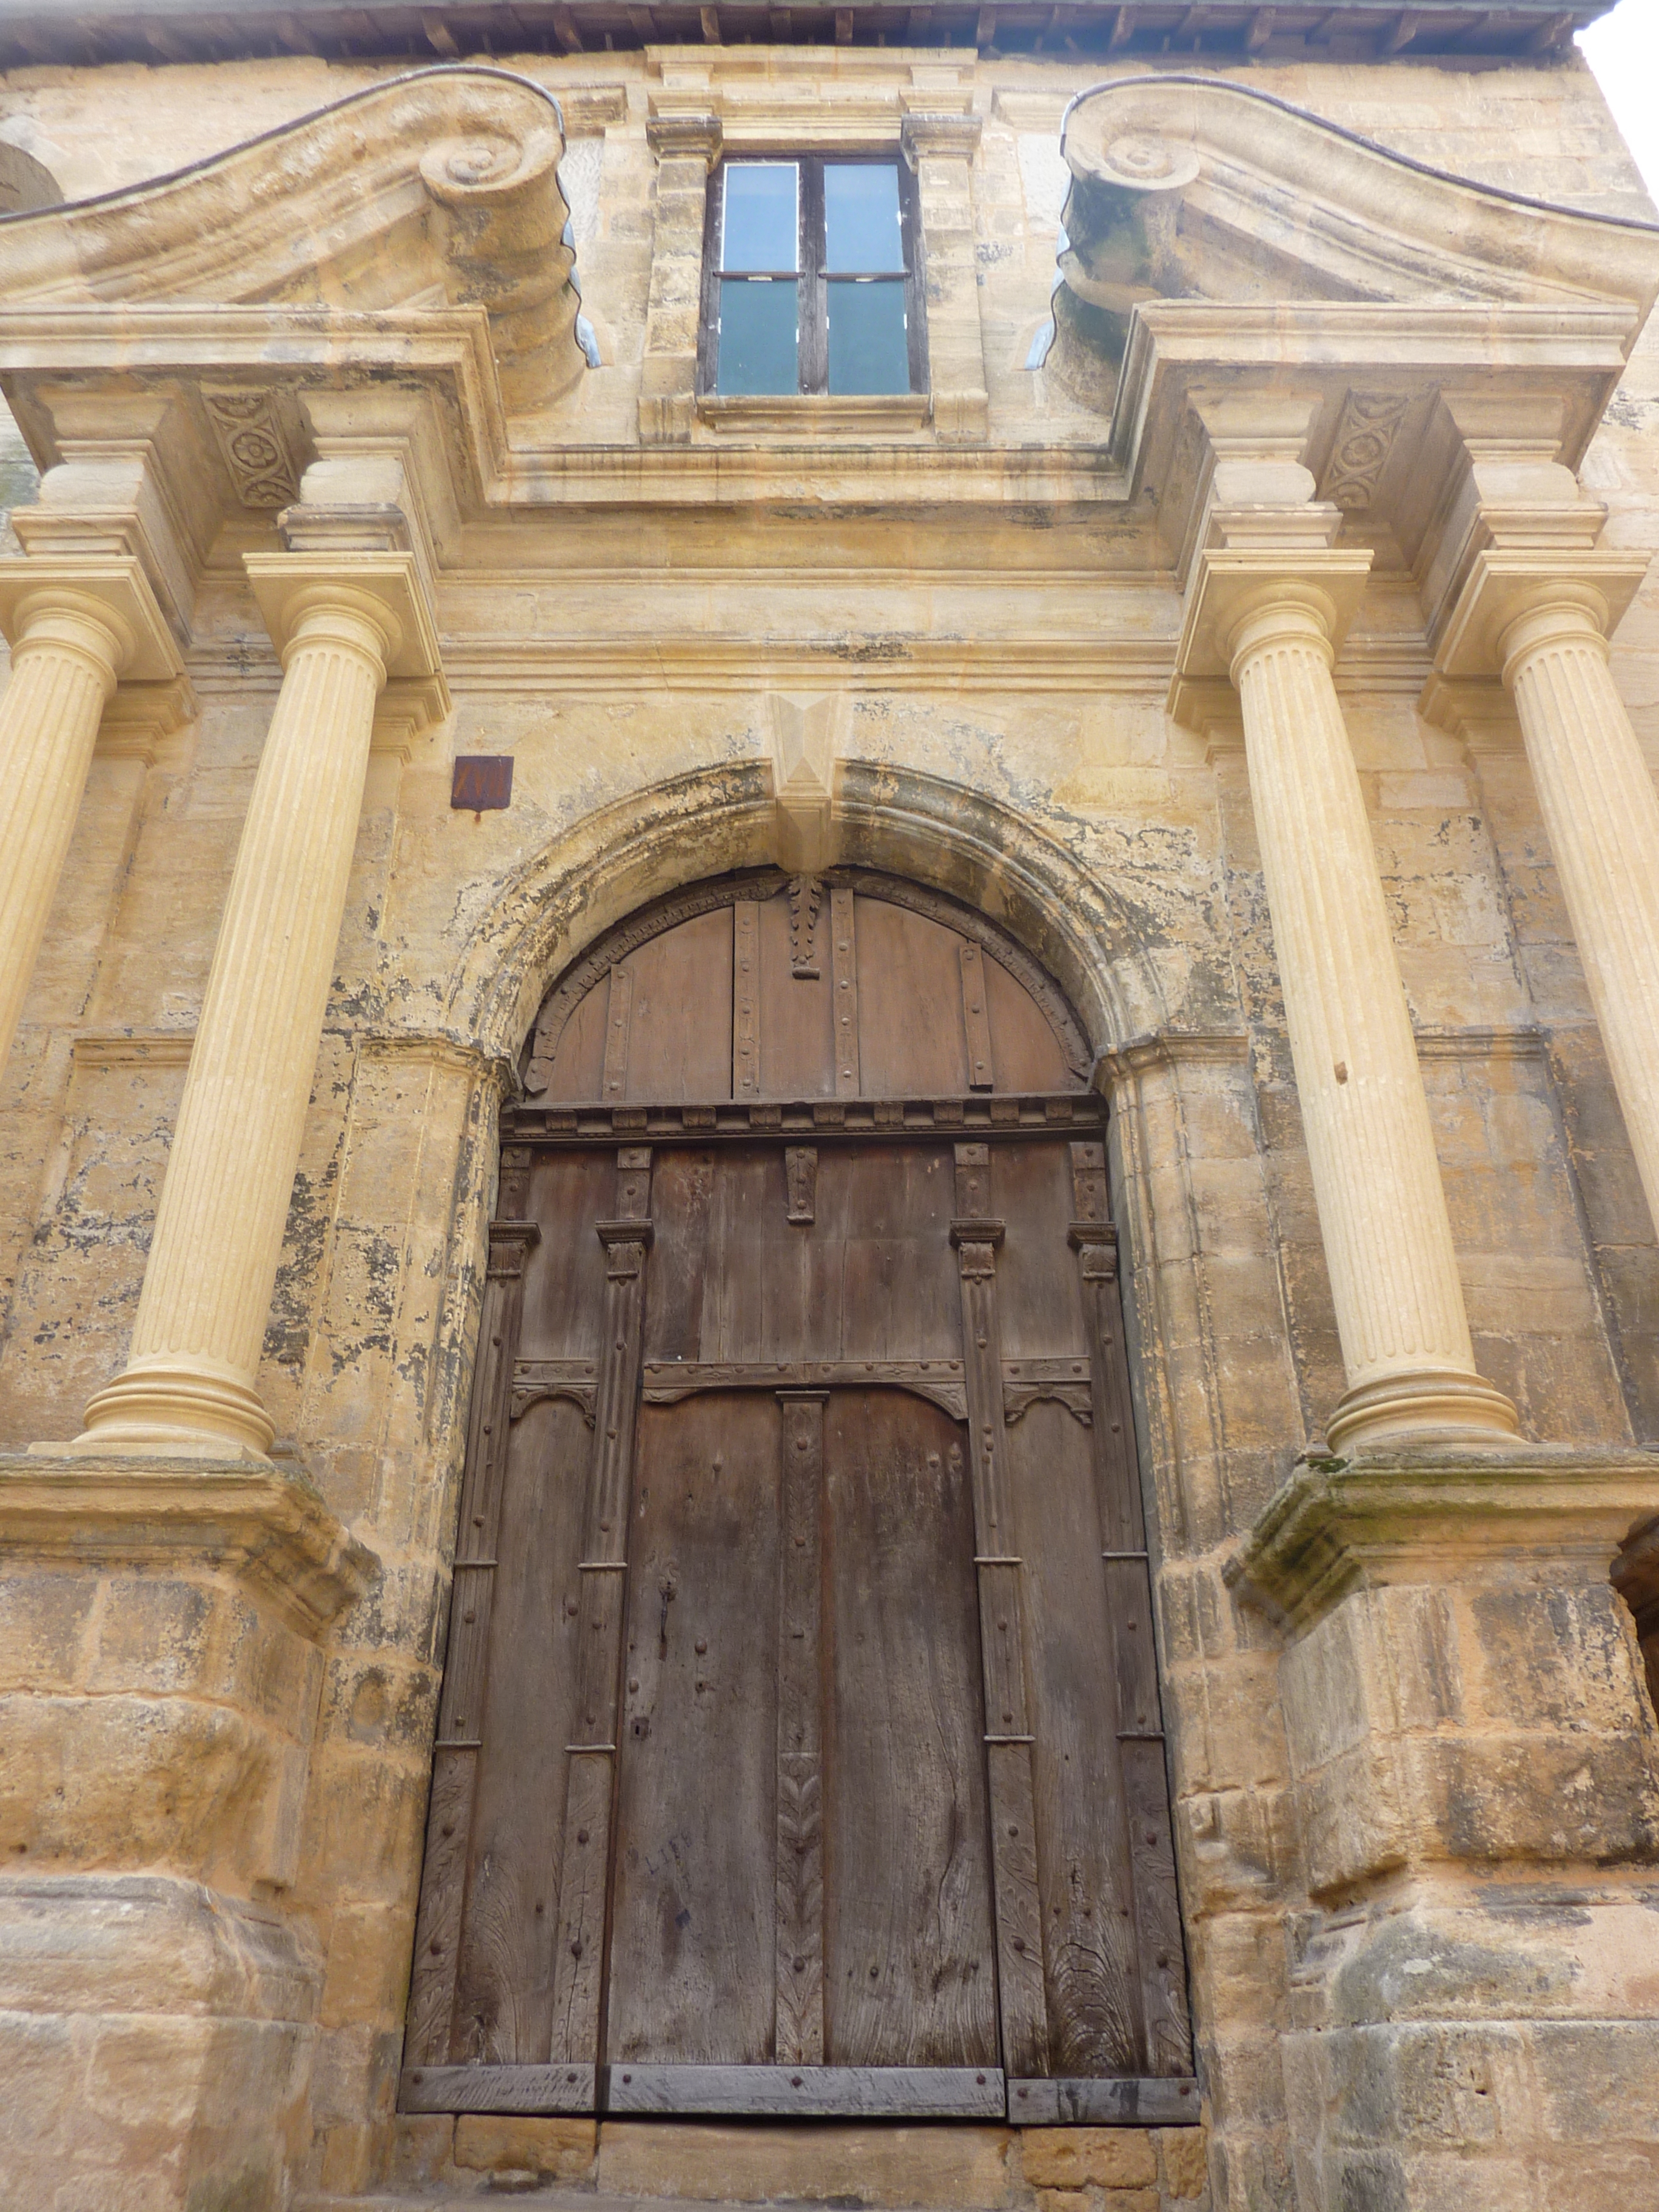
(172, 1408)
(1429, 1404)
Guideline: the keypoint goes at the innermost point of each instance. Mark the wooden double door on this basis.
(798, 1748)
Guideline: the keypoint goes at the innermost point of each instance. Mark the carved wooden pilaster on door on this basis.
(800, 1750)
(976, 1234)
(460, 1713)
(1166, 2030)
(578, 1957)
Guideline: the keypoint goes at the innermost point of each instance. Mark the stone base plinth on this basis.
(160, 1625)
(1474, 1771)
(154, 2044)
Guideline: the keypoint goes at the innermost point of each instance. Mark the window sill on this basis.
(898, 414)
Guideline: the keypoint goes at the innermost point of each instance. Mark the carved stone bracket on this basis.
(1553, 1515)
(263, 1525)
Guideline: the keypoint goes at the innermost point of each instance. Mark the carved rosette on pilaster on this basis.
(687, 147)
(940, 148)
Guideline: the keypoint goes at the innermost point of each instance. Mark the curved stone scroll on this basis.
(444, 181)
(1193, 188)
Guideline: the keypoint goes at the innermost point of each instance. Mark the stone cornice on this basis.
(1375, 31)
(1550, 1515)
(261, 1524)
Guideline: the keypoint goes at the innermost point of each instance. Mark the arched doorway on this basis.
(799, 1746)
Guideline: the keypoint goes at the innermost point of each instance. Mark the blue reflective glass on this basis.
(861, 224)
(757, 336)
(868, 350)
(760, 229)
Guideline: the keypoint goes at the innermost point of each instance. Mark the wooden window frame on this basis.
(813, 380)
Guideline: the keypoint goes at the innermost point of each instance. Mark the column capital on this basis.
(386, 585)
(113, 589)
(694, 136)
(1505, 586)
(1231, 583)
(956, 138)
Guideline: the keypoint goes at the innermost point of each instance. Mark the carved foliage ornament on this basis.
(251, 437)
(1365, 437)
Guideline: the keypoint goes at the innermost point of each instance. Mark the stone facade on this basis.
(329, 498)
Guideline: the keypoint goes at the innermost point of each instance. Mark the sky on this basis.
(1623, 49)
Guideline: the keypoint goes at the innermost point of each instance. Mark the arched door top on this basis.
(761, 987)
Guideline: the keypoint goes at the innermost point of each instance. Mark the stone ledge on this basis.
(266, 1527)
(1549, 1513)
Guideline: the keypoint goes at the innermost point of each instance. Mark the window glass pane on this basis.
(861, 216)
(759, 231)
(868, 351)
(757, 339)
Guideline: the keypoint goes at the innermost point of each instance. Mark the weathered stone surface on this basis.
(1416, 1826)
(882, 2166)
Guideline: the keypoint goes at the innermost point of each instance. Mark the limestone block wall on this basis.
(996, 680)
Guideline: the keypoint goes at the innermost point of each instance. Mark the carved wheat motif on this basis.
(801, 1912)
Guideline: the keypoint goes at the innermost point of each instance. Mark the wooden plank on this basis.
(844, 994)
(821, 2092)
(910, 969)
(578, 1957)
(800, 1838)
(852, 1122)
(909, 1913)
(976, 1233)
(681, 1044)
(1166, 2026)
(797, 988)
(440, 1918)
(1127, 2102)
(618, 1023)
(692, 1973)
(665, 1382)
(495, 2089)
(745, 1000)
(976, 1019)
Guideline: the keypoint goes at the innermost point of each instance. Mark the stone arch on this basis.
(964, 842)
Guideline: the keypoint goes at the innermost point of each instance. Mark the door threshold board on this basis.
(920, 2092)
(977, 2092)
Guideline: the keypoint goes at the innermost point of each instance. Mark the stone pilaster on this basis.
(76, 628)
(1273, 620)
(687, 147)
(343, 623)
(1542, 619)
(940, 148)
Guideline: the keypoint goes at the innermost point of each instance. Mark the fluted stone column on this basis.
(1405, 1336)
(341, 622)
(76, 627)
(1543, 622)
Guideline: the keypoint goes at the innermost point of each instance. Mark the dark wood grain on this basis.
(977, 1018)
(579, 1953)
(976, 1233)
(746, 1008)
(846, 1026)
(440, 1919)
(681, 1042)
(1165, 2024)
(495, 2089)
(693, 1949)
(907, 1918)
(810, 2093)
(799, 1835)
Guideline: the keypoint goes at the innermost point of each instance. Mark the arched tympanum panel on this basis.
(847, 987)
(798, 1748)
